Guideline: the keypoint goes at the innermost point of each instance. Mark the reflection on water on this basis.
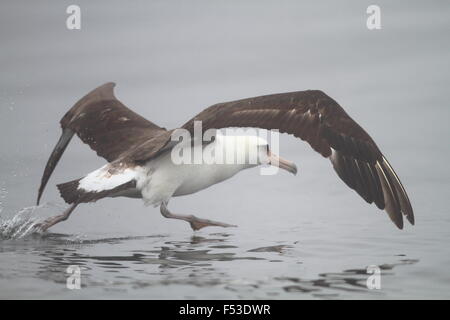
(199, 262)
(352, 280)
(22, 223)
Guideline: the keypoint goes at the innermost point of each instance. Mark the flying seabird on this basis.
(140, 166)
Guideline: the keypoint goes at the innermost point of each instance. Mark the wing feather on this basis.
(319, 120)
(105, 124)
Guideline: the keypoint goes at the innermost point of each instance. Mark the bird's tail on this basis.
(69, 191)
(72, 192)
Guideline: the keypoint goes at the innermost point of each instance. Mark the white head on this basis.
(252, 151)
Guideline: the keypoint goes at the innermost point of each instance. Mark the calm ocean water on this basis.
(302, 237)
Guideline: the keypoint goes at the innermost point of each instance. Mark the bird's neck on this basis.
(233, 151)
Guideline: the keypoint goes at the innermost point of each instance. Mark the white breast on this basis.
(169, 179)
(199, 177)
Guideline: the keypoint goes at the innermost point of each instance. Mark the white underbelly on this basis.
(199, 177)
(168, 180)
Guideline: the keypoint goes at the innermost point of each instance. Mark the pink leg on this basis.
(196, 223)
(54, 220)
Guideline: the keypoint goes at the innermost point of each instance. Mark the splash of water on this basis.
(23, 222)
(20, 225)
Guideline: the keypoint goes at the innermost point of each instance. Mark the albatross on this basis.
(139, 163)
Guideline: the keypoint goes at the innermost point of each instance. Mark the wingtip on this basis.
(39, 196)
(401, 195)
(106, 90)
(399, 224)
(411, 219)
(109, 84)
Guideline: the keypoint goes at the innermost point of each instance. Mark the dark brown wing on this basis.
(105, 124)
(316, 118)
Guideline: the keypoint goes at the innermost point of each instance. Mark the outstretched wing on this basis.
(316, 118)
(105, 124)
